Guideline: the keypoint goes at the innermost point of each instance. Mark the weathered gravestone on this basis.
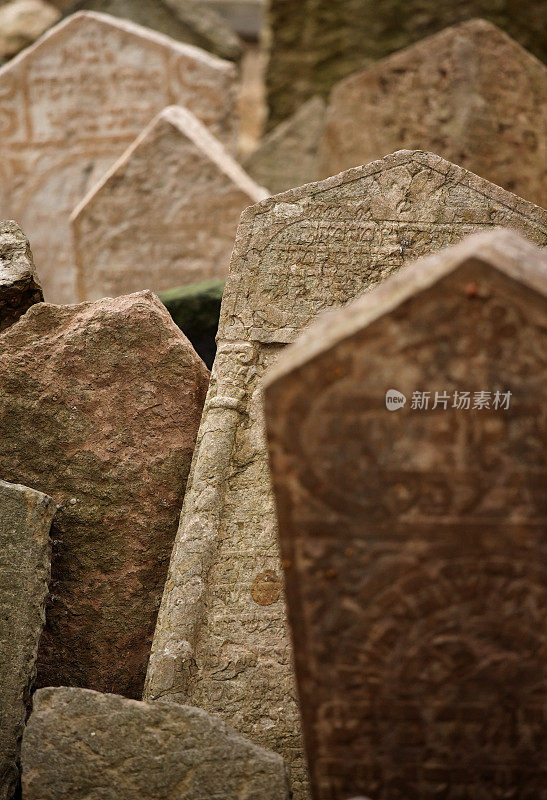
(22, 22)
(413, 533)
(99, 406)
(313, 44)
(165, 215)
(73, 102)
(25, 561)
(220, 642)
(19, 287)
(469, 93)
(82, 745)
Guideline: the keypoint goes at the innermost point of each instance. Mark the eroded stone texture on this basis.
(469, 93)
(22, 22)
(82, 745)
(19, 287)
(25, 561)
(99, 407)
(221, 642)
(73, 102)
(288, 155)
(165, 215)
(414, 541)
(313, 44)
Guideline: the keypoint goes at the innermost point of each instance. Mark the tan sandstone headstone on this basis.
(413, 531)
(470, 94)
(25, 562)
(221, 641)
(165, 215)
(99, 407)
(19, 287)
(73, 102)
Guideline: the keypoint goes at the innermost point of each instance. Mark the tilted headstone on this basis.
(221, 641)
(165, 215)
(99, 407)
(470, 94)
(22, 22)
(73, 102)
(313, 44)
(80, 745)
(19, 287)
(25, 563)
(406, 448)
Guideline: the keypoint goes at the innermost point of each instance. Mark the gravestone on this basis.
(313, 44)
(22, 22)
(165, 215)
(470, 94)
(80, 745)
(19, 287)
(99, 407)
(220, 642)
(413, 532)
(288, 155)
(25, 562)
(73, 102)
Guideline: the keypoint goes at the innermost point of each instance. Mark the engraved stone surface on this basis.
(313, 44)
(25, 562)
(295, 254)
(71, 105)
(165, 215)
(19, 287)
(22, 22)
(414, 540)
(470, 94)
(99, 407)
(288, 155)
(82, 745)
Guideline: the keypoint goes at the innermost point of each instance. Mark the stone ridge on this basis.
(19, 287)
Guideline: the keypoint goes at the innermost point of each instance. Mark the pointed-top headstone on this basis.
(19, 287)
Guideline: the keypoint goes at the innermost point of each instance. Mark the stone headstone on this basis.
(221, 641)
(469, 93)
(99, 407)
(22, 22)
(25, 562)
(165, 215)
(413, 532)
(19, 287)
(73, 102)
(288, 155)
(313, 44)
(80, 745)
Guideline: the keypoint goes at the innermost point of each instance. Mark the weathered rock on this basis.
(245, 16)
(470, 94)
(25, 561)
(195, 310)
(19, 287)
(221, 641)
(165, 215)
(99, 407)
(82, 745)
(73, 102)
(288, 155)
(313, 44)
(22, 22)
(413, 537)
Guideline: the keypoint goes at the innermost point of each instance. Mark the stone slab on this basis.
(19, 287)
(73, 103)
(413, 537)
(221, 641)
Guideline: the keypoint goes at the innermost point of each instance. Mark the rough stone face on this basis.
(221, 641)
(82, 745)
(470, 94)
(19, 287)
(99, 407)
(73, 102)
(288, 155)
(22, 22)
(313, 44)
(413, 539)
(165, 215)
(245, 16)
(25, 561)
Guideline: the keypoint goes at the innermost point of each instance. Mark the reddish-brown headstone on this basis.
(99, 407)
(413, 536)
